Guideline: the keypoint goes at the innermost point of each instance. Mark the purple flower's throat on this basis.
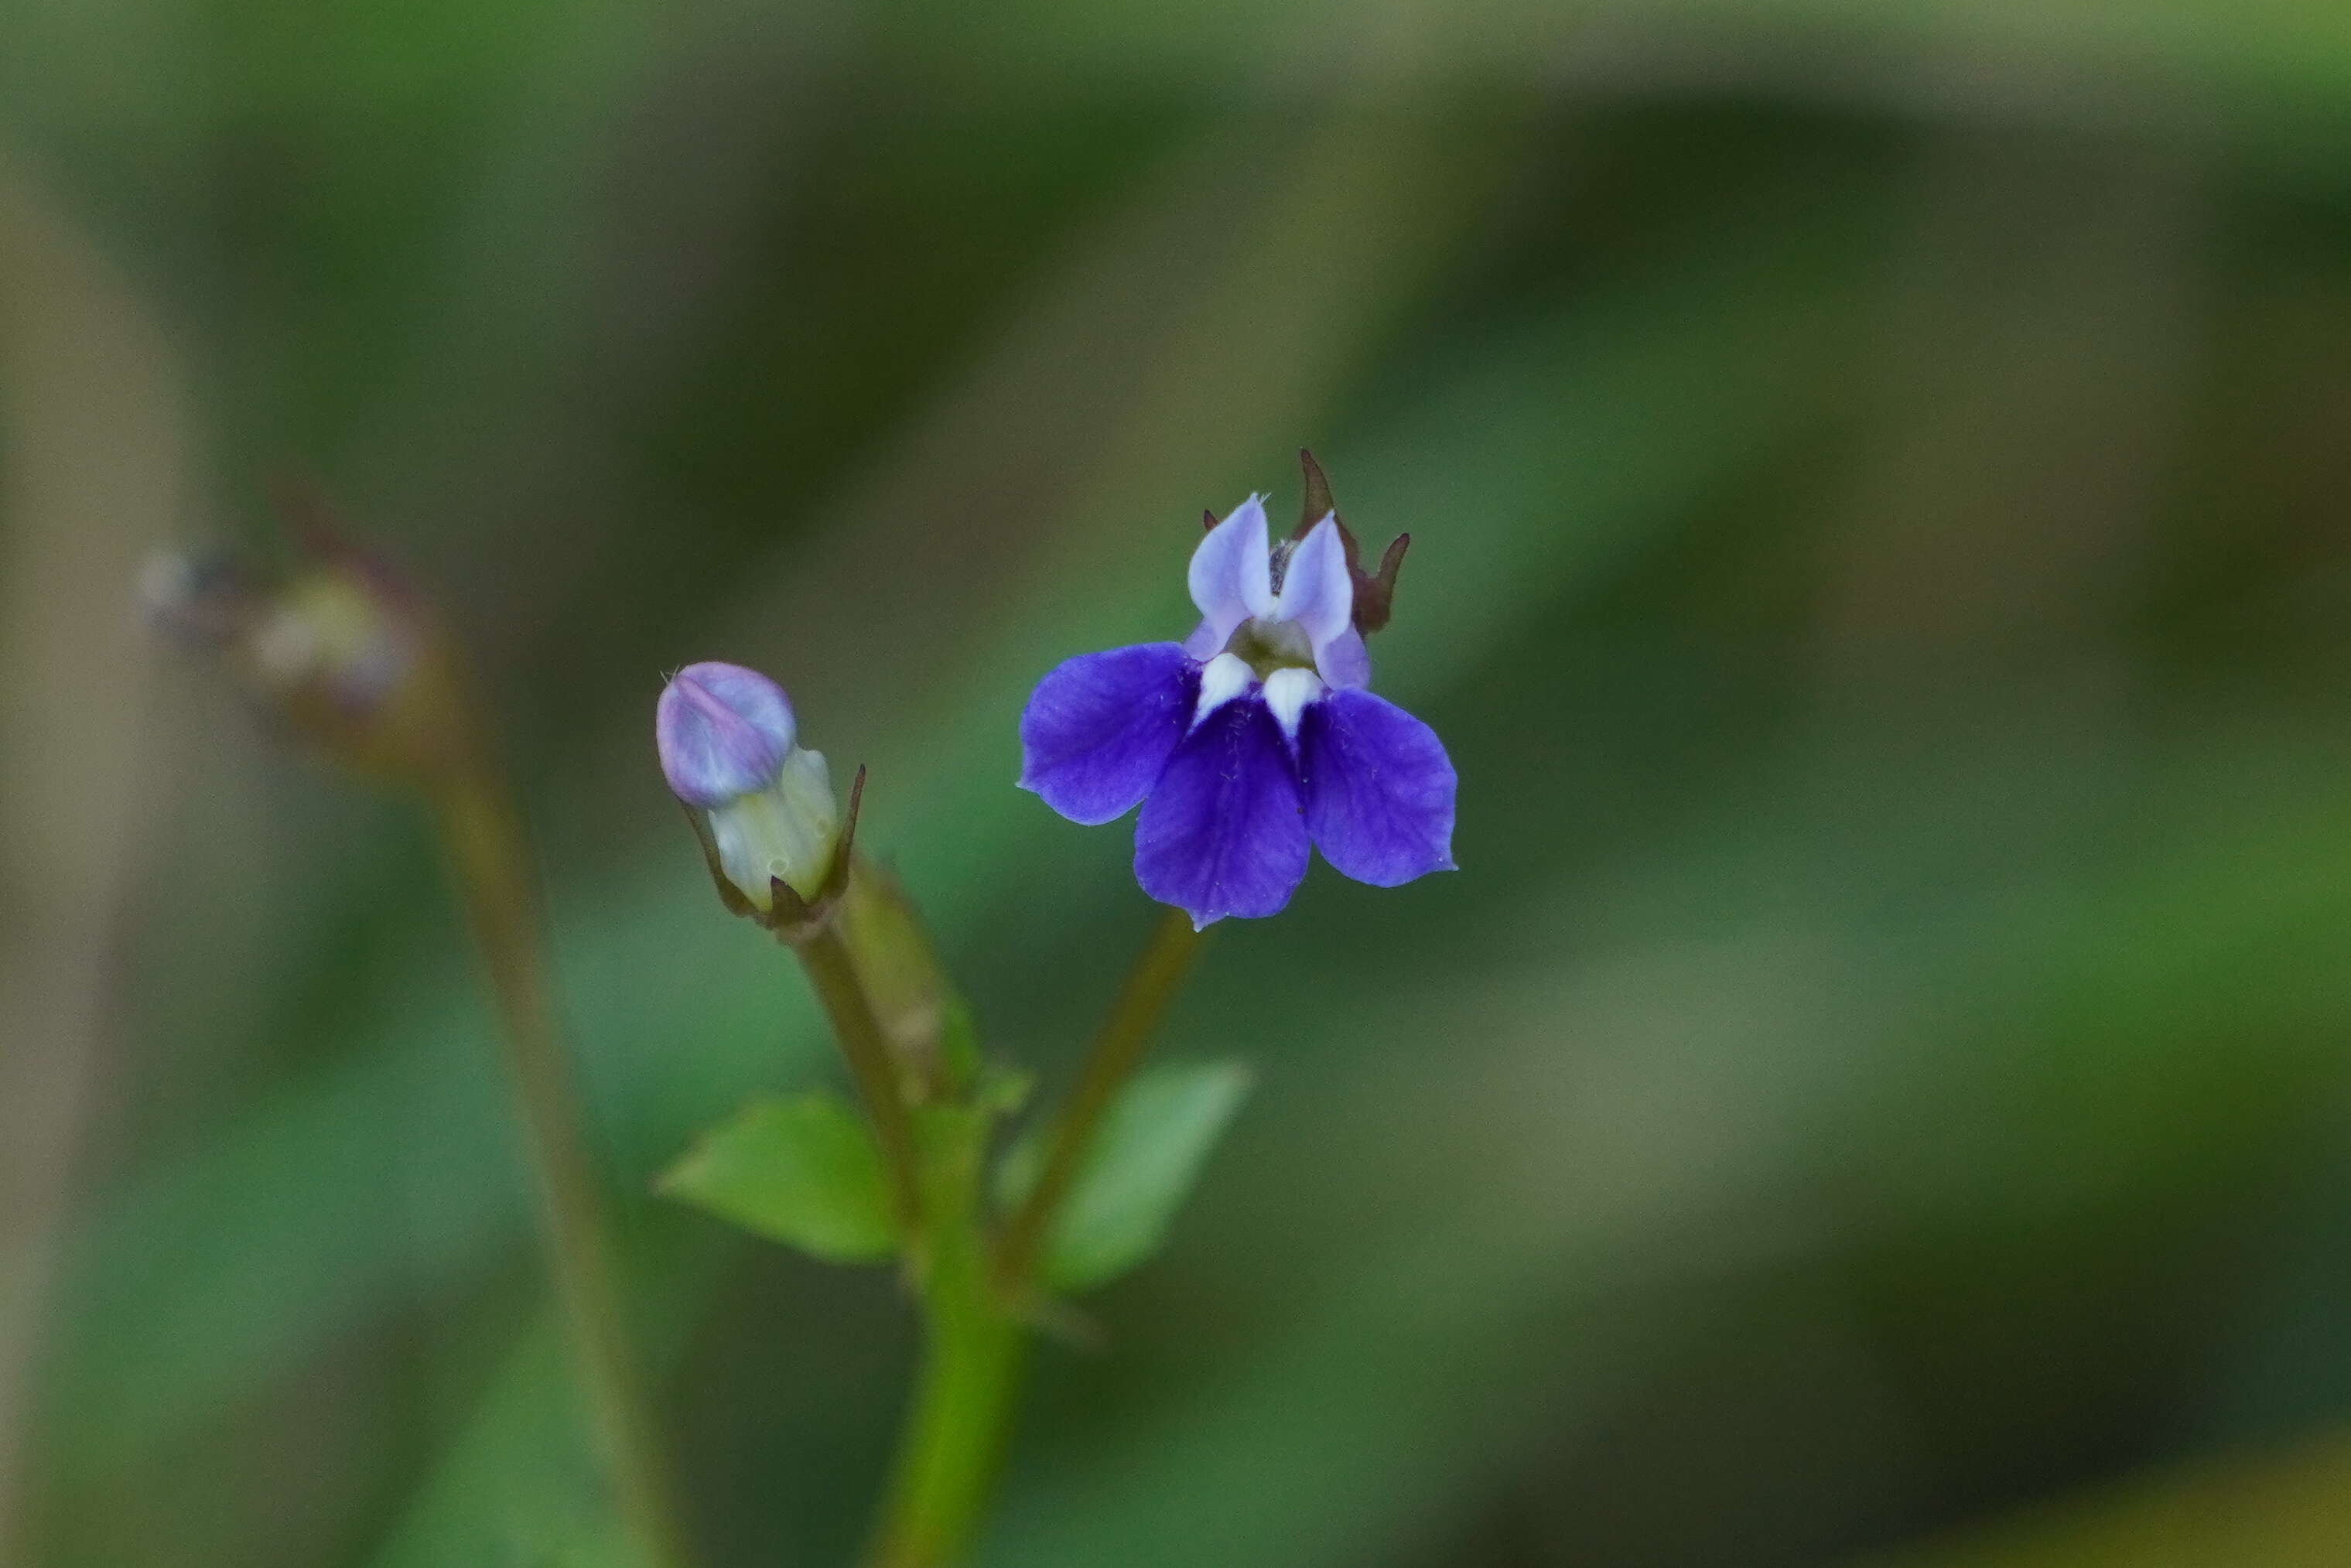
(1270, 645)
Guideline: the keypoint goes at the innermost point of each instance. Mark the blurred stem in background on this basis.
(357, 665)
(483, 836)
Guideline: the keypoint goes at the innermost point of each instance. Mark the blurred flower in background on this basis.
(1881, 1093)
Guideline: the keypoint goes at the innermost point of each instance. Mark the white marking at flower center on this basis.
(1226, 677)
(1287, 693)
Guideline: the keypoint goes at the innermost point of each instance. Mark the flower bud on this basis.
(722, 731)
(340, 650)
(763, 803)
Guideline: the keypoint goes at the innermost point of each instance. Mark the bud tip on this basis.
(722, 731)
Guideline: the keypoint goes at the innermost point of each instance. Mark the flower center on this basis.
(1266, 646)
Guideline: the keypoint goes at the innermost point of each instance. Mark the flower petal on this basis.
(1344, 661)
(721, 731)
(1099, 727)
(1221, 833)
(1222, 679)
(1316, 591)
(1287, 695)
(1232, 577)
(1379, 789)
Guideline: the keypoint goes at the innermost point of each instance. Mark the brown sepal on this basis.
(1317, 504)
(1375, 592)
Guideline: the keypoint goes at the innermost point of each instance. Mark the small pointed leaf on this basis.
(804, 1170)
(1147, 1153)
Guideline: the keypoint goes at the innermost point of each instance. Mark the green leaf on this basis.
(804, 1170)
(1147, 1153)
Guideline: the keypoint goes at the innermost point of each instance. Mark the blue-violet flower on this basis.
(1249, 739)
(727, 746)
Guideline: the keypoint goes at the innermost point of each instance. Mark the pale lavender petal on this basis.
(1208, 638)
(722, 731)
(1343, 661)
(1316, 591)
(1379, 789)
(1232, 577)
(1099, 727)
(1222, 833)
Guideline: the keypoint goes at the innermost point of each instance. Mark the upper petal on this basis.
(1222, 833)
(1316, 591)
(1099, 727)
(1379, 789)
(1231, 576)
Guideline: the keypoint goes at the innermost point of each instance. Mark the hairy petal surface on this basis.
(1379, 789)
(1223, 833)
(1099, 727)
(1232, 577)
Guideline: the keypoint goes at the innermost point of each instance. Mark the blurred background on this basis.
(1879, 1088)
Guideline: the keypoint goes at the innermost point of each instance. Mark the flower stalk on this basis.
(856, 1024)
(974, 1350)
(482, 836)
(978, 1301)
(1159, 973)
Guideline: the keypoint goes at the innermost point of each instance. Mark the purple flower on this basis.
(1249, 739)
(729, 749)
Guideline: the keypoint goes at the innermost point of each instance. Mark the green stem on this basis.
(833, 973)
(962, 1413)
(974, 1341)
(1157, 976)
(484, 839)
(972, 1347)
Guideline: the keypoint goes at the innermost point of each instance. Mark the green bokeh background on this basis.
(1880, 1082)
